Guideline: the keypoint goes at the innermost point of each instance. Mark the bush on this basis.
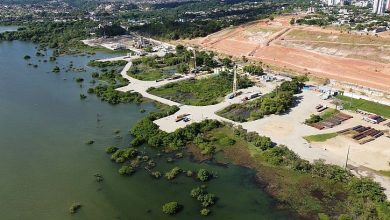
(82, 96)
(156, 174)
(74, 207)
(90, 142)
(203, 175)
(226, 141)
(313, 119)
(56, 69)
(123, 154)
(254, 70)
(126, 170)
(205, 212)
(171, 208)
(344, 217)
(189, 173)
(332, 172)
(366, 188)
(263, 142)
(207, 200)
(111, 149)
(172, 173)
(196, 192)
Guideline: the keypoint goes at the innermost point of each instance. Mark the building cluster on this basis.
(335, 2)
(15, 12)
(381, 6)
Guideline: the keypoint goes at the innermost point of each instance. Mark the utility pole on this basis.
(346, 161)
(194, 59)
(235, 80)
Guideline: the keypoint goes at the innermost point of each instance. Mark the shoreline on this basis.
(300, 147)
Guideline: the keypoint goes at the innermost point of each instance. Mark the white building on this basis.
(335, 2)
(380, 6)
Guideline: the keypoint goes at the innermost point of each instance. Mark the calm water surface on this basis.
(45, 165)
(8, 28)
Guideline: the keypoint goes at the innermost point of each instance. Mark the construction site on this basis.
(138, 45)
(350, 59)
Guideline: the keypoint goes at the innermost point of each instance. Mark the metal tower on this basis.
(235, 80)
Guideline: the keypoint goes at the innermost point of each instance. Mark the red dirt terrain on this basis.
(241, 41)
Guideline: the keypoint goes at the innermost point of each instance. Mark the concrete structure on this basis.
(335, 2)
(380, 6)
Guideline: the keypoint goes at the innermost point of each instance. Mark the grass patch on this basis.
(384, 172)
(278, 101)
(376, 108)
(206, 91)
(294, 189)
(328, 113)
(320, 137)
(146, 73)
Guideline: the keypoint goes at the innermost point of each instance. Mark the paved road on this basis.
(285, 129)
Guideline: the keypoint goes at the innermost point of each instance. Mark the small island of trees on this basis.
(171, 208)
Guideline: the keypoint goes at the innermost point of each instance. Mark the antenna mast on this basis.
(194, 59)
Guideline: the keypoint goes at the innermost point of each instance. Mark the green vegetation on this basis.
(105, 64)
(82, 96)
(79, 80)
(56, 69)
(110, 30)
(156, 174)
(110, 80)
(215, 16)
(171, 208)
(320, 137)
(155, 68)
(126, 170)
(148, 73)
(114, 97)
(172, 174)
(313, 119)
(63, 36)
(27, 57)
(276, 102)
(111, 149)
(90, 142)
(206, 199)
(316, 19)
(309, 188)
(205, 212)
(254, 70)
(354, 104)
(203, 175)
(145, 131)
(122, 155)
(74, 207)
(384, 172)
(206, 91)
(328, 113)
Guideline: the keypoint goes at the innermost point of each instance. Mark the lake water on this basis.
(45, 164)
(8, 28)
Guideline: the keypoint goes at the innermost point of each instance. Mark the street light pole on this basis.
(346, 161)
